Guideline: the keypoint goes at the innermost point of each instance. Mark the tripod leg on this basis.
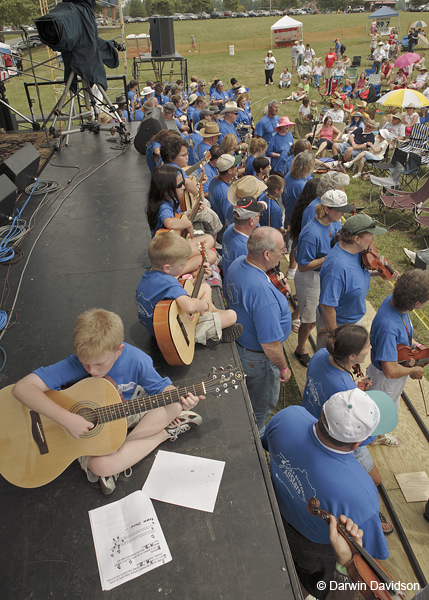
(109, 103)
(59, 105)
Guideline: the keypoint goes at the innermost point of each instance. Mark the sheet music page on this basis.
(128, 539)
(185, 480)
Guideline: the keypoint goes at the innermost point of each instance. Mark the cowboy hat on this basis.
(147, 91)
(230, 107)
(284, 122)
(210, 130)
(246, 186)
(192, 99)
(241, 96)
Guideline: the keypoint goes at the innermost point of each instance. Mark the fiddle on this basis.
(277, 278)
(371, 259)
(413, 357)
(364, 383)
(362, 569)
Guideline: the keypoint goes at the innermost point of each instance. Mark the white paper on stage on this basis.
(128, 539)
(184, 480)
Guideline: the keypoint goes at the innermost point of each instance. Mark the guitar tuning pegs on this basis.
(235, 387)
(233, 381)
(229, 367)
(217, 390)
(226, 391)
(212, 370)
(222, 376)
(221, 369)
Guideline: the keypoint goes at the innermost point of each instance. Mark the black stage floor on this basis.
(92, 254)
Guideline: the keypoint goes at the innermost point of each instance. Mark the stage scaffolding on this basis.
(167, 68)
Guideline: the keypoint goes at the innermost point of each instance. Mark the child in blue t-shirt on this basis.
(166, 186)
(272, 216)
(168, 254)
(99, 350)
(257, 148)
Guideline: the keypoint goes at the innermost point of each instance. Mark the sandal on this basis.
(296, 324)
(386, 527)
(304, 359)
(388, 439)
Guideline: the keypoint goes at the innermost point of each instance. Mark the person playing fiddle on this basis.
(392, 326)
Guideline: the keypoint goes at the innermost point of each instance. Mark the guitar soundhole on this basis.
(88, 414)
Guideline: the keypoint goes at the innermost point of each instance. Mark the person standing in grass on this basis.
(269, 62)
(193, 46)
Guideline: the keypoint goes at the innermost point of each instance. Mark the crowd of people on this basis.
(258, 199)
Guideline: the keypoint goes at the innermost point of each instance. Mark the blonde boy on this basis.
(99, 350)
(167, 254)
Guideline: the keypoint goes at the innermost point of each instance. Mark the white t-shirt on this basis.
(397, 130)
(337, 116)
(270, 61)
(304, 111)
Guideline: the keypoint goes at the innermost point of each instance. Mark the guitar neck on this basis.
(140, 405)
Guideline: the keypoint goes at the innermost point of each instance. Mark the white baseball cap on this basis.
(336, 199)
(354, 415)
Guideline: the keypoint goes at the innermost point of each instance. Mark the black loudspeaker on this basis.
(8, 196)
(422, 259)
(22, 167)
(162, 36)
(152, 123)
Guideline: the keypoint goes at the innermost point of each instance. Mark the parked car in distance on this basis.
(33, 42)
(139, 20)
(203, 15)
(217, 15)
(190, 16)
(359, 8)
(126, 20)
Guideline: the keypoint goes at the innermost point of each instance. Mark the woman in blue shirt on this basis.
(281, 141)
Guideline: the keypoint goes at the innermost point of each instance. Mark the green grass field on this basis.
(251, 39)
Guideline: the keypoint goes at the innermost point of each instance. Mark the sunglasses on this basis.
(181, 184)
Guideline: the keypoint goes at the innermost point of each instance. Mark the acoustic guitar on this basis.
(34, 450)
(183, 215)
(174, 328)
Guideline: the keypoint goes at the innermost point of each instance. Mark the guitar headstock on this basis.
(221, 380)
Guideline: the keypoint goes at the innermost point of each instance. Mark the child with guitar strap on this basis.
(99, 350)
(166, 186)
(168, 254)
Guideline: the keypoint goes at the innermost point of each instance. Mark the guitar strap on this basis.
(115, 385)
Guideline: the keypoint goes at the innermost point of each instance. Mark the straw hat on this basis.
(209, 130)
(371, 123)
(193, 86)
(246, 186)
(339, 102)
(231, 107)
(284, 122)
(362, 104)
(241, 96)
(192, 99)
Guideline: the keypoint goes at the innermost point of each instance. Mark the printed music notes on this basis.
(128, 540)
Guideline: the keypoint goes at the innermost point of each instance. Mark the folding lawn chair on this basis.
(418, 142)
(422, 220)
(352, 73)
(387, 182)
(356, 61)
(403, 201)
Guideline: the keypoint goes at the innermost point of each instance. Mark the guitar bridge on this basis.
(38, 432)
(183, 329)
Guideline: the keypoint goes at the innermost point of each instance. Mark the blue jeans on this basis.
(316, 80)
(377, 67)
(300, 59)
(263, 384)
(411, 47)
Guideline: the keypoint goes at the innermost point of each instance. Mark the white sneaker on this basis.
(291, 274)
(411, 255)
(348, 164)
(357, 176)
(266, 85)
(271, 83)
(187, 419)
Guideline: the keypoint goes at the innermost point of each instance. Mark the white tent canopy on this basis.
(285, 31)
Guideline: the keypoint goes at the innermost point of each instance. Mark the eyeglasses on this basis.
(181, 184)
(236, 114)
(282, 250)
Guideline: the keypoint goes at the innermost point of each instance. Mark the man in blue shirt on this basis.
(234, 241)
(201, 89)
(219, 187)
(200, 103)
(210, 135)
(265, 128)
(314, 458)
(229, 114)
(264, 313)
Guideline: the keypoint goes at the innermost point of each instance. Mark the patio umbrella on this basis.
(418, 25)
(406, 60)
(423, 41)
(404, 98)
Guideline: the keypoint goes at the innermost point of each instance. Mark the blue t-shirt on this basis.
(261, 308)
(314, 242)
(150, 159)
(216, 95)
(178, 113)
(387, 331)
(272, 215)
(244, 116)
(225, 128)
(323, 381)
(153, 287)
(190, 112)
(293, 188)
(309, 212)
(265, 128)
(138, 115)
(278, 144)
(200, 149)
(234, 244)
(211, 172)
(196, 139)
(196, 116)
(284, 163)
(218, 198)
(166, 211)
(344, 285)
(302, 468)
(162, 99)
(249, 170)
(132, 368)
